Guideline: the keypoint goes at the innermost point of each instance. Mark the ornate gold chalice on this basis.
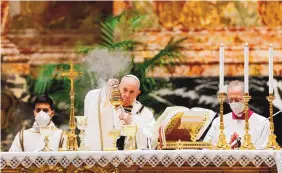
(113, 134)
(130, 131)
(46, 132)
(81, 123)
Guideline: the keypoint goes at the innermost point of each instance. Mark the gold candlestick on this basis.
(72, 139)
(271, 144)
(221, 144)
(247, 144)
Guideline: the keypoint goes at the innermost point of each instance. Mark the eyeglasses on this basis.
(231, 100)
(46, 110)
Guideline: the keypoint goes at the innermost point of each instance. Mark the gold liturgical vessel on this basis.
(272, 143)
(116, 101)
(130, 131)
(72, 138)
(82, 125)
(221, 144)
(247, 144)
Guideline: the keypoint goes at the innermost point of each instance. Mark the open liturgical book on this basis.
(180, 124)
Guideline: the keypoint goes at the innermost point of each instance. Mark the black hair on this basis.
(43, 99)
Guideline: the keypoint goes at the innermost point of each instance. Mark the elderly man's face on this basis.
(129, 90)
(235, 94)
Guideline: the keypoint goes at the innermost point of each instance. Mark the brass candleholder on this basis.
(72, 138)
(221, 144)
(130, 131)
(247, 144)
(271, 144)
(114, 134)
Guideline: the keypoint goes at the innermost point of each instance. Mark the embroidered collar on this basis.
(235, 117)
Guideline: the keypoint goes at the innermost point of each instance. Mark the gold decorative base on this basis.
(247, 144)
(222, 144)
(272, 143)
(179, 145)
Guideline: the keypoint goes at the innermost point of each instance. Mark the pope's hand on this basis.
(126, 117)
(110, 84)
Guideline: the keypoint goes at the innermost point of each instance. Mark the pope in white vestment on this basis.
(101, 119)
(234, 122)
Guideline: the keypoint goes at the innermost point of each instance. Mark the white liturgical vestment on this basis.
(31, 140)
(96, 134)
(258, 129)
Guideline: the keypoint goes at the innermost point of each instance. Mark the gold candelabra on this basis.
(247, 144)
(221, 144)
(271, 144)
(72, 138)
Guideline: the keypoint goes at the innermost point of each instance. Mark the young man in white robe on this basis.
(98, 109)
(234, 122)
(31, 140)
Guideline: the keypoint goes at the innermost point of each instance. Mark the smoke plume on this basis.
(107, 64)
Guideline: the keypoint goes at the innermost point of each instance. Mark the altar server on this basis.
(99, 111)
(234, 122)
(31, 140)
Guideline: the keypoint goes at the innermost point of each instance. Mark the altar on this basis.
(144, 161)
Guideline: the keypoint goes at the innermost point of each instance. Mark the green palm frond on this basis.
(117, 32)
(167, 56)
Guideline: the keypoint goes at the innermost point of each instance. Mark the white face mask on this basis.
(237, 108)
(42, 118)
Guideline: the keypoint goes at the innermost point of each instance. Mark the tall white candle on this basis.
(221, 68)
(270, 67)
(246, 68)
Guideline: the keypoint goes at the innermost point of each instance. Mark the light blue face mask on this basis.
(237, 108)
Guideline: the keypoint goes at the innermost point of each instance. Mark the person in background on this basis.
(31, 140)
(234, 122)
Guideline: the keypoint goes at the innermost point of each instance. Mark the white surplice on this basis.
(258, 129)
(96, 101)
(33, 141)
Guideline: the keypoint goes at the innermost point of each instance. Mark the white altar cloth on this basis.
(140, 158)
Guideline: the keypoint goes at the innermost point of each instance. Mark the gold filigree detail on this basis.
(179, 145)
